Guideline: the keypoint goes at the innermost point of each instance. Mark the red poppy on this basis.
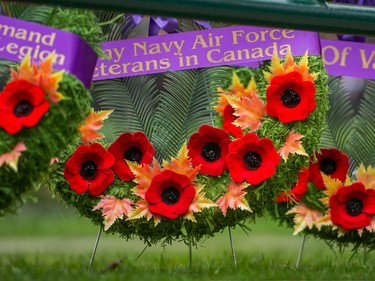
(289, 98)
(89, 169)
(298, 189)
(22, 104)
(132, 147)
(228, 119)
(208, 148)
(252, 159)
(331, 162)
(170, 194)
(352, 206)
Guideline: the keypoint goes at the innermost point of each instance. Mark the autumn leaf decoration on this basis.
(113, 209)
(93, 122)
(144, 174)
(292, 145)
(304, 217)
(248, 107)
(41, 76)
(234, 198)
(11, 158)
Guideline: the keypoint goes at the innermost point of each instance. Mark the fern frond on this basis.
(339, 118)
(362, 146)
(133, 99)
(38, 14)
(13, 9)
(115, 25)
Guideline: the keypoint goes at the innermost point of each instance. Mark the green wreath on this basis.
(333, 199)
(41, 109)
(164, 175)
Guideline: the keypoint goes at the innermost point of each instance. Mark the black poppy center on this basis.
(252, 160)
(328, 166)
(23, 108)
(211, 152)
(354, 207)
(133, 154)
(170, 195)
(290, 98)
(88, 170)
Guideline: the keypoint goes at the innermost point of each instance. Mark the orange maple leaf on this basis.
(277, 68)
(113, 209)
(41, 77)
(332, 185)
(248, 110)
(292, 145)
(143, 176)
(182, 164)
(304, 217)
(234, 198)
(94, 121)
(142, 210)
(366, 176)
(198, 204)
(11, 158)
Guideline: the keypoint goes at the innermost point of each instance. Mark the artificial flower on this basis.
(331, 162)
(291, 91)
(93, 122)
(41, 76)
(170, 194)
(208, 148)
(11, 158)
(234, 198)
(304, 217)
(252, 159)
(366, 176)
(297, 190)
(228, 120)
(113, 209)
(22, 104)
(353, 206)
(130, 147)
(89, 169)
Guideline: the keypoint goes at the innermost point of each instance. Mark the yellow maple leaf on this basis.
(366, 176)
(198, 204)
(277, 68)
(93, 122)
(332, 185)
(234, 198)
(11, 158)
(143, 176)
(142, 210)
(113, 209)
(182, 164)
(41, 76)
(304, 217)
(292, 145)
(249, 112)
(324, 221)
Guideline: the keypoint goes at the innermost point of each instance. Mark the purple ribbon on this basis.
(19, 38)
(205, 48)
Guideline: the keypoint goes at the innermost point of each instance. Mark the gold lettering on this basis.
(366, 62)
(210, 53)
(199, 40)
(141, 46)
(285, 33)
(154, 49)
(137, 66)
(235, 35)
(244, 52)
(21, 34)
(165, 63)
(256, 37)
(49, 39)
(273, 36)
(154, 64)
(114, 69)
(12, 48)
(6, 28)
(257, 53)
(34, 37)
(336, 54)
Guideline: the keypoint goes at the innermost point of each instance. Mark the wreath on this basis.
(41, 109)
(334, 198)
(169, 173)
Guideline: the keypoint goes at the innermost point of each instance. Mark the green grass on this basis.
(51, 242)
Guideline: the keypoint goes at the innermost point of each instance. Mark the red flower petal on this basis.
(102, 158)
(37, 114)
(340, 159)
(228, 119)
(100, 182)
(76, 182)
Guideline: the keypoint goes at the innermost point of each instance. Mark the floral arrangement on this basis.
(333, 199)
(220, 177)
(41, 110)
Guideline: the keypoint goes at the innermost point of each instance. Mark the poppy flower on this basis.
(252, 159)
(352, 206)
(208, 148)
(89, 169)
(228, 120)
(332, 162)
(132, 147)
(289, 98)
(170, 194)
(22, 104)
(298, 189)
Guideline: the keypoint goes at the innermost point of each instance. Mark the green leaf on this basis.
(362, 145)
(115, 25)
